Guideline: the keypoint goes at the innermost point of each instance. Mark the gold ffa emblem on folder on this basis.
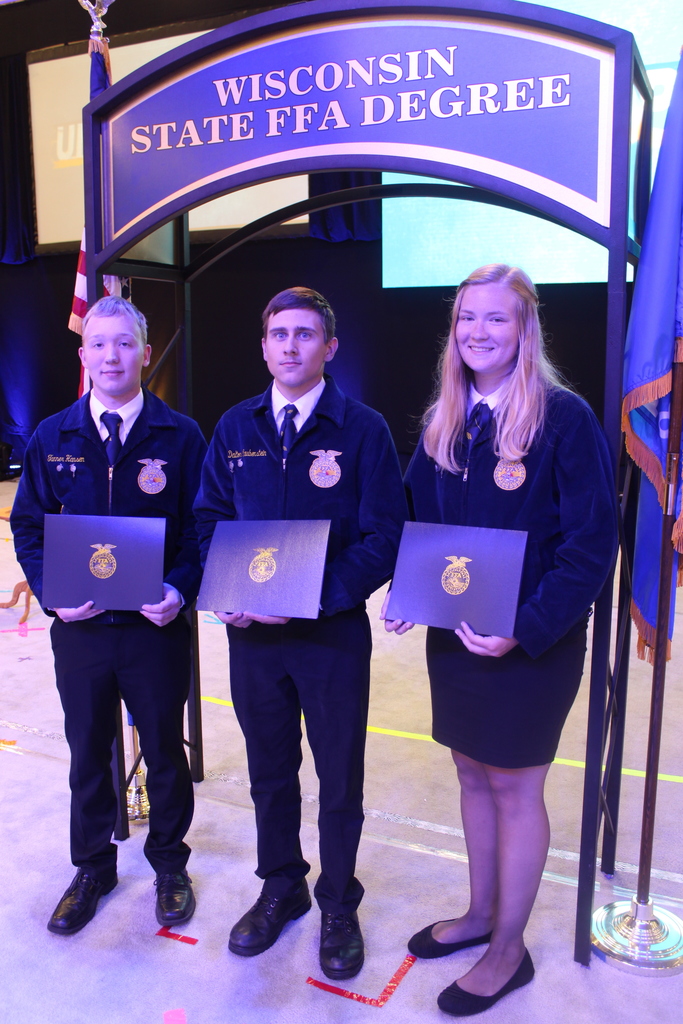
(151, 478)
(325, 472)
(509, 475)
(455, 579)
(263, 567)
(102, 564)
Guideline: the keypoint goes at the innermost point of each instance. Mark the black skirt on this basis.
(507, 712)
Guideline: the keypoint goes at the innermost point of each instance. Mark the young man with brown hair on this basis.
(307, 451)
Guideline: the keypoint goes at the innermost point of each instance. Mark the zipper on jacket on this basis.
(111, 474)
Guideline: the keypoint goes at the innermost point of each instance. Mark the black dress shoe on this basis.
(458, 1003)
(260, 927)
(78, 904)
(175, 899)
(341, 946)
(423, 944)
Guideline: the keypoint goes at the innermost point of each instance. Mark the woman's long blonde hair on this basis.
(521, 407)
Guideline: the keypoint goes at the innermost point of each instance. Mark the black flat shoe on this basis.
(260, 927)
(341, 946)
(458, 1003)
(424, 945)
(78, 904)
(175, 898)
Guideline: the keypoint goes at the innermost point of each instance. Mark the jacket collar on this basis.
(155, 413)
(332, 402)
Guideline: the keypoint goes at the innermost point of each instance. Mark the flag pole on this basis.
(631, 933)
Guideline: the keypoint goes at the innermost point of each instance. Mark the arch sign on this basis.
(492, 96)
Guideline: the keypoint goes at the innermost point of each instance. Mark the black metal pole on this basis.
(595, 744)
(118, 764)
(195, 741)
(612, 787)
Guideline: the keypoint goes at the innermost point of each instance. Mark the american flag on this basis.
(100, 79)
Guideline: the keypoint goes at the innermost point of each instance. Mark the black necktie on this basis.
(112, 422)
(477, 422)
(288, 429)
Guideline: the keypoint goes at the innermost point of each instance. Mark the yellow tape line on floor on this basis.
(421, 736)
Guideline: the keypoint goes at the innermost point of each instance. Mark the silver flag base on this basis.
(634, 937)
(137, 799)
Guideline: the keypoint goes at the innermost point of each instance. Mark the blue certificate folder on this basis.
(115, 561)
(449, 574)
(270, 567)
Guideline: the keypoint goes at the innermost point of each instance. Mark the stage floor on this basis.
(412, 862)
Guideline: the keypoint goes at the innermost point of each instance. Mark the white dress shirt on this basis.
(305, 405)
(491, 400)
(128, 413)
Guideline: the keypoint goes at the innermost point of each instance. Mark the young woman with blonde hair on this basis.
(507, 445)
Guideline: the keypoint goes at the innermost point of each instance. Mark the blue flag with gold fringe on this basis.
(654, 341)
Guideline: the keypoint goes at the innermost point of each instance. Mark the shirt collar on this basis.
(305, 404)
(128, 413)
(490, 400)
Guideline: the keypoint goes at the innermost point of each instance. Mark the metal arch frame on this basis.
(607, 686)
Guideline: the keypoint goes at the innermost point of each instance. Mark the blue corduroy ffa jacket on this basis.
(567, 504)
(66, 470)
(243, 478)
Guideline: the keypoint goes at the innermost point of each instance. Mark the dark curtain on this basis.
(17, 229)
(360, 222)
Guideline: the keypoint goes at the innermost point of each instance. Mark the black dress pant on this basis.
(322, 668)
(149, 666)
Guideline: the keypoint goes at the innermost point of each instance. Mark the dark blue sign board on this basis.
(436, 93)
(503, 95)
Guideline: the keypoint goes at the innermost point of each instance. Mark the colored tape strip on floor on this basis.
(422, 736)
(385, 995)
(175, 1017)
(174, 935)
(24, 630)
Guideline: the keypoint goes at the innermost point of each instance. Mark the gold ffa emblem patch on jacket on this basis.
(102, 564)
(455, 579)
(509, 475)
(263, 566)
(325, 472)
(151, 478)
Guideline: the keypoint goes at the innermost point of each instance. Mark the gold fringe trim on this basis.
(647, 393)
(677, 541)
(646, 636)
(101, 46)
(677, 533)
(76, 324)
(637, 449)
(644, 458)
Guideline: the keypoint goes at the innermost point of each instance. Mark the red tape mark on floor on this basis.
(386, 994)
(24, 630)
(174, 935)
(175, 1017)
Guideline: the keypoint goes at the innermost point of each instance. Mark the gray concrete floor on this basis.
(412, 862)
